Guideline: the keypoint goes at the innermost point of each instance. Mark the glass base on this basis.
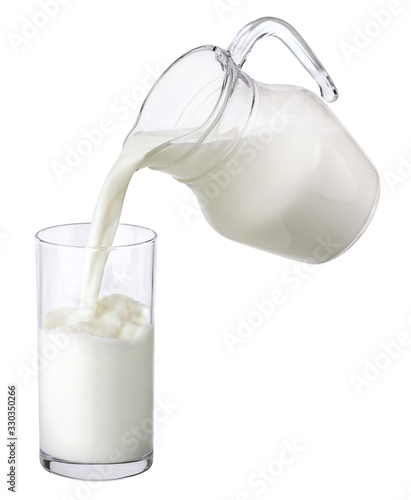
(95, 472)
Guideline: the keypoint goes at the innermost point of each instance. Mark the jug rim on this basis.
(228, 79)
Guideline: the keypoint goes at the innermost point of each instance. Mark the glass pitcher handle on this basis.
(242, 44)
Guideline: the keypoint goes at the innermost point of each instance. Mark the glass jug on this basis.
(271, 165)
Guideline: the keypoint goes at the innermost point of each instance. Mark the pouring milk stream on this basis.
(271, 166)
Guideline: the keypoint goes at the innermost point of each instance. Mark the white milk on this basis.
(107, 216)
(303, 195)
(96, 390)
(96, 393)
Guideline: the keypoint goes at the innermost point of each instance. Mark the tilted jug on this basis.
(271, 165)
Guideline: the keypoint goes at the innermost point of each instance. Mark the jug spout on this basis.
(202, 99)
(243, 43)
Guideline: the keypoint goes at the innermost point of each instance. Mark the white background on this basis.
(292, 379)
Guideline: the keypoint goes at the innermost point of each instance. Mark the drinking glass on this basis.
(96, 391)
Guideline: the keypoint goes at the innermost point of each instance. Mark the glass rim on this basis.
(38, 237)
